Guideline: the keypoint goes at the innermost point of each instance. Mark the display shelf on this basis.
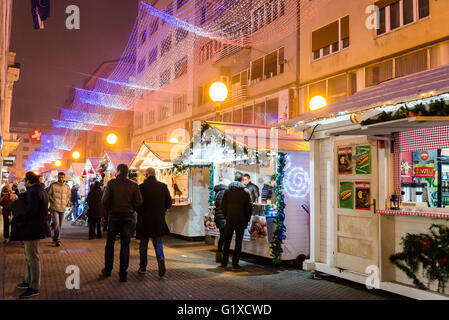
(181, 204)
(425, 214)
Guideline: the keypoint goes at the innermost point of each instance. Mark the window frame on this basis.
(341, 44)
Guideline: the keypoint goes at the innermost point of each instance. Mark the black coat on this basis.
(33, 223)
(254, 191)
(74, 196)
(267, 192)
(121, 198)
(151, 215)
(219, 216)
(236, 205)
(95, 208)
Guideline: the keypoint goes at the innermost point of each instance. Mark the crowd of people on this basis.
(31, 212)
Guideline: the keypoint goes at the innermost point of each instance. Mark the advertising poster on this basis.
(345, 160)
(425, 171)
(406, 167)
(363, 156)
(210, 227)
(346, 195)
(362, 199)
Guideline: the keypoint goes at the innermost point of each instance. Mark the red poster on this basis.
(424, 172)
(362, 196)
(345, 160)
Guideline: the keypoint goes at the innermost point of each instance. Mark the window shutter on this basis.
(383, 3)
(325, 36)
(345, 27)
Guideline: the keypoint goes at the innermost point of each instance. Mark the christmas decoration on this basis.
(279, 233)
(428, 251)
(296, 181)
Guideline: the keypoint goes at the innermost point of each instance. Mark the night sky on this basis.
(55, 59)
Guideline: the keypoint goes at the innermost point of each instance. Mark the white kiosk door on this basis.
(356, 224)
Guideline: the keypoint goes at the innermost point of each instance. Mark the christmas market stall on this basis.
(109, 162)
(279, 227)
(185, 216)
(380, 199)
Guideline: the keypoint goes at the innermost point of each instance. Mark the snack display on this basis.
(346, 195)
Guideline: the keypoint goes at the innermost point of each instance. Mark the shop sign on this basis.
(363, 156)
(8, 163)
(362, 199)
(424, 172)
(424, 155)
(345, 160)
(346, 195)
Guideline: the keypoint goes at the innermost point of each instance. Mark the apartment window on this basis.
(150, 117)
(166, 45)
(154, 26)
(411, 63)
(141, 66)
(271, 64)
(318, 89)
(353, 83)
(181, 34)
(152, 56)
(247, 116)
(168, 10)
(143, 37)
(164, 112)
(337, 87)
(165, 77)
(272, 111)
(138, 120)
(331, 38)
(180, 3)
(379, 73)
(257, 69)
(26, 149)
(391, 11)
(180, 104)
(181, 67)
(237, 116)
(267, 13)
(259, 113)
(226, 117)
(26, 140)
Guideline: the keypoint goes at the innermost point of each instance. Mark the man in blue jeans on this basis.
(120, 199)
(151, 219)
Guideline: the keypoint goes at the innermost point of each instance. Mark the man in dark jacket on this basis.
(252, 188)
(120, 199)
(151, 219)
(74, 197)
(237, 208)
(33, 227)
(220, 220)
(95, 210)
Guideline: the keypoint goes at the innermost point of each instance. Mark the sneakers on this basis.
(161, 265)
(105, 274)
(29, 293)
(57, 243)
(218, 257)
(142, 271)
(23, 285)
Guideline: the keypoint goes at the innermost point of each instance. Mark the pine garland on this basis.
(431, 251)
(211, 185)
(279, 233)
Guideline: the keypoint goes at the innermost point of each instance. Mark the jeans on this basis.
(115, 227)
(229, 231)
(6, 227)
(57, 219)
(94, 223)
(33, 267)
(221, 239)
(158, 248)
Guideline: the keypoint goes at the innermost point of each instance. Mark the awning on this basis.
(395, 91)
(119, 157)
(156, 155)
(93, 162)
(262, 138)
(76, 168)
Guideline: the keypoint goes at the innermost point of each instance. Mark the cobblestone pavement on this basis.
(191, 274)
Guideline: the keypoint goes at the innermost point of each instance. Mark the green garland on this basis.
(279, 233)
(434, 108)
(211, 185)
(431, 251)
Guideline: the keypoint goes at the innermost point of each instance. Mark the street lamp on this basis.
(218, 92)
(58, 163)
(76, 155)
(112, 138)
(317, 102)
(174, 140)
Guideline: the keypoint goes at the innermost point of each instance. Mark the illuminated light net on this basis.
(226, 22)
(296, 181)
